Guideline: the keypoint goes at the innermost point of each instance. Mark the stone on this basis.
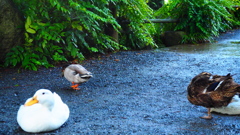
(11, 33)
(170, 38)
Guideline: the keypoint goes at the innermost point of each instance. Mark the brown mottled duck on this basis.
(211, 91)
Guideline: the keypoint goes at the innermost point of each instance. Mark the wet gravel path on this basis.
(137, 92)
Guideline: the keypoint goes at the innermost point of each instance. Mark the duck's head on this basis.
(42, 96)
(63, 68)
(206, 74)
(203, 77)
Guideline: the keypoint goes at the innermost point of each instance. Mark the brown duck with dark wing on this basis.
(210, 91)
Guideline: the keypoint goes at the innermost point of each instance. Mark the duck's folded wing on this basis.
(60, 110)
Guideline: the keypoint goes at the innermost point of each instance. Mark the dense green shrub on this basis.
(200, 19)
(236, 2)
(136, 34)
(59, 30)
(236, 12)
(155, 4)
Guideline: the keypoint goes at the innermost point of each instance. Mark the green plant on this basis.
(236, 12)
(200, 19)
(155, 4)
(136, 34)
(60, 30)
(27, 59)
(236, 2)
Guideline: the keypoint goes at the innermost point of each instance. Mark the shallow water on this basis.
(229, 48)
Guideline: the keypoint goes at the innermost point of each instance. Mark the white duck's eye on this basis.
(43, 93)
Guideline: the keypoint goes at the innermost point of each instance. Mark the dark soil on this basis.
(134, 92)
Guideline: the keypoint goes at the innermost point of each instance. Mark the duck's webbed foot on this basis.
(209, 116)
(75, 86)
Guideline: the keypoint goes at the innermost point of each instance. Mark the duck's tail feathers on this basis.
(231, 75)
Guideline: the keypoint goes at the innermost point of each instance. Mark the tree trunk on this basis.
(10, 32)
(109, 30)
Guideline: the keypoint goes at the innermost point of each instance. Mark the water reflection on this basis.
(224, 48)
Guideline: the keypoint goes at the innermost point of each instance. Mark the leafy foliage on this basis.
(155, 4)
(200, 19)
(236, 2)
(136, 34)
(236, 12)
(59, 30)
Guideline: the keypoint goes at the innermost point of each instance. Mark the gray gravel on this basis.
(134, 92)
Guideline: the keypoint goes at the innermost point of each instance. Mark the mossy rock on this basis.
(170, 38)
(10, 32)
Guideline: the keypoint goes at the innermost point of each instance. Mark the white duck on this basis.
(233, 108)
(44, 112)
(76, 74)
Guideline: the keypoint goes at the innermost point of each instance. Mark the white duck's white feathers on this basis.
(48, 114)
(233, 108)
(76, 73)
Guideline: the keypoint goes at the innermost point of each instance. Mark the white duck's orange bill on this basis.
(31, 102)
